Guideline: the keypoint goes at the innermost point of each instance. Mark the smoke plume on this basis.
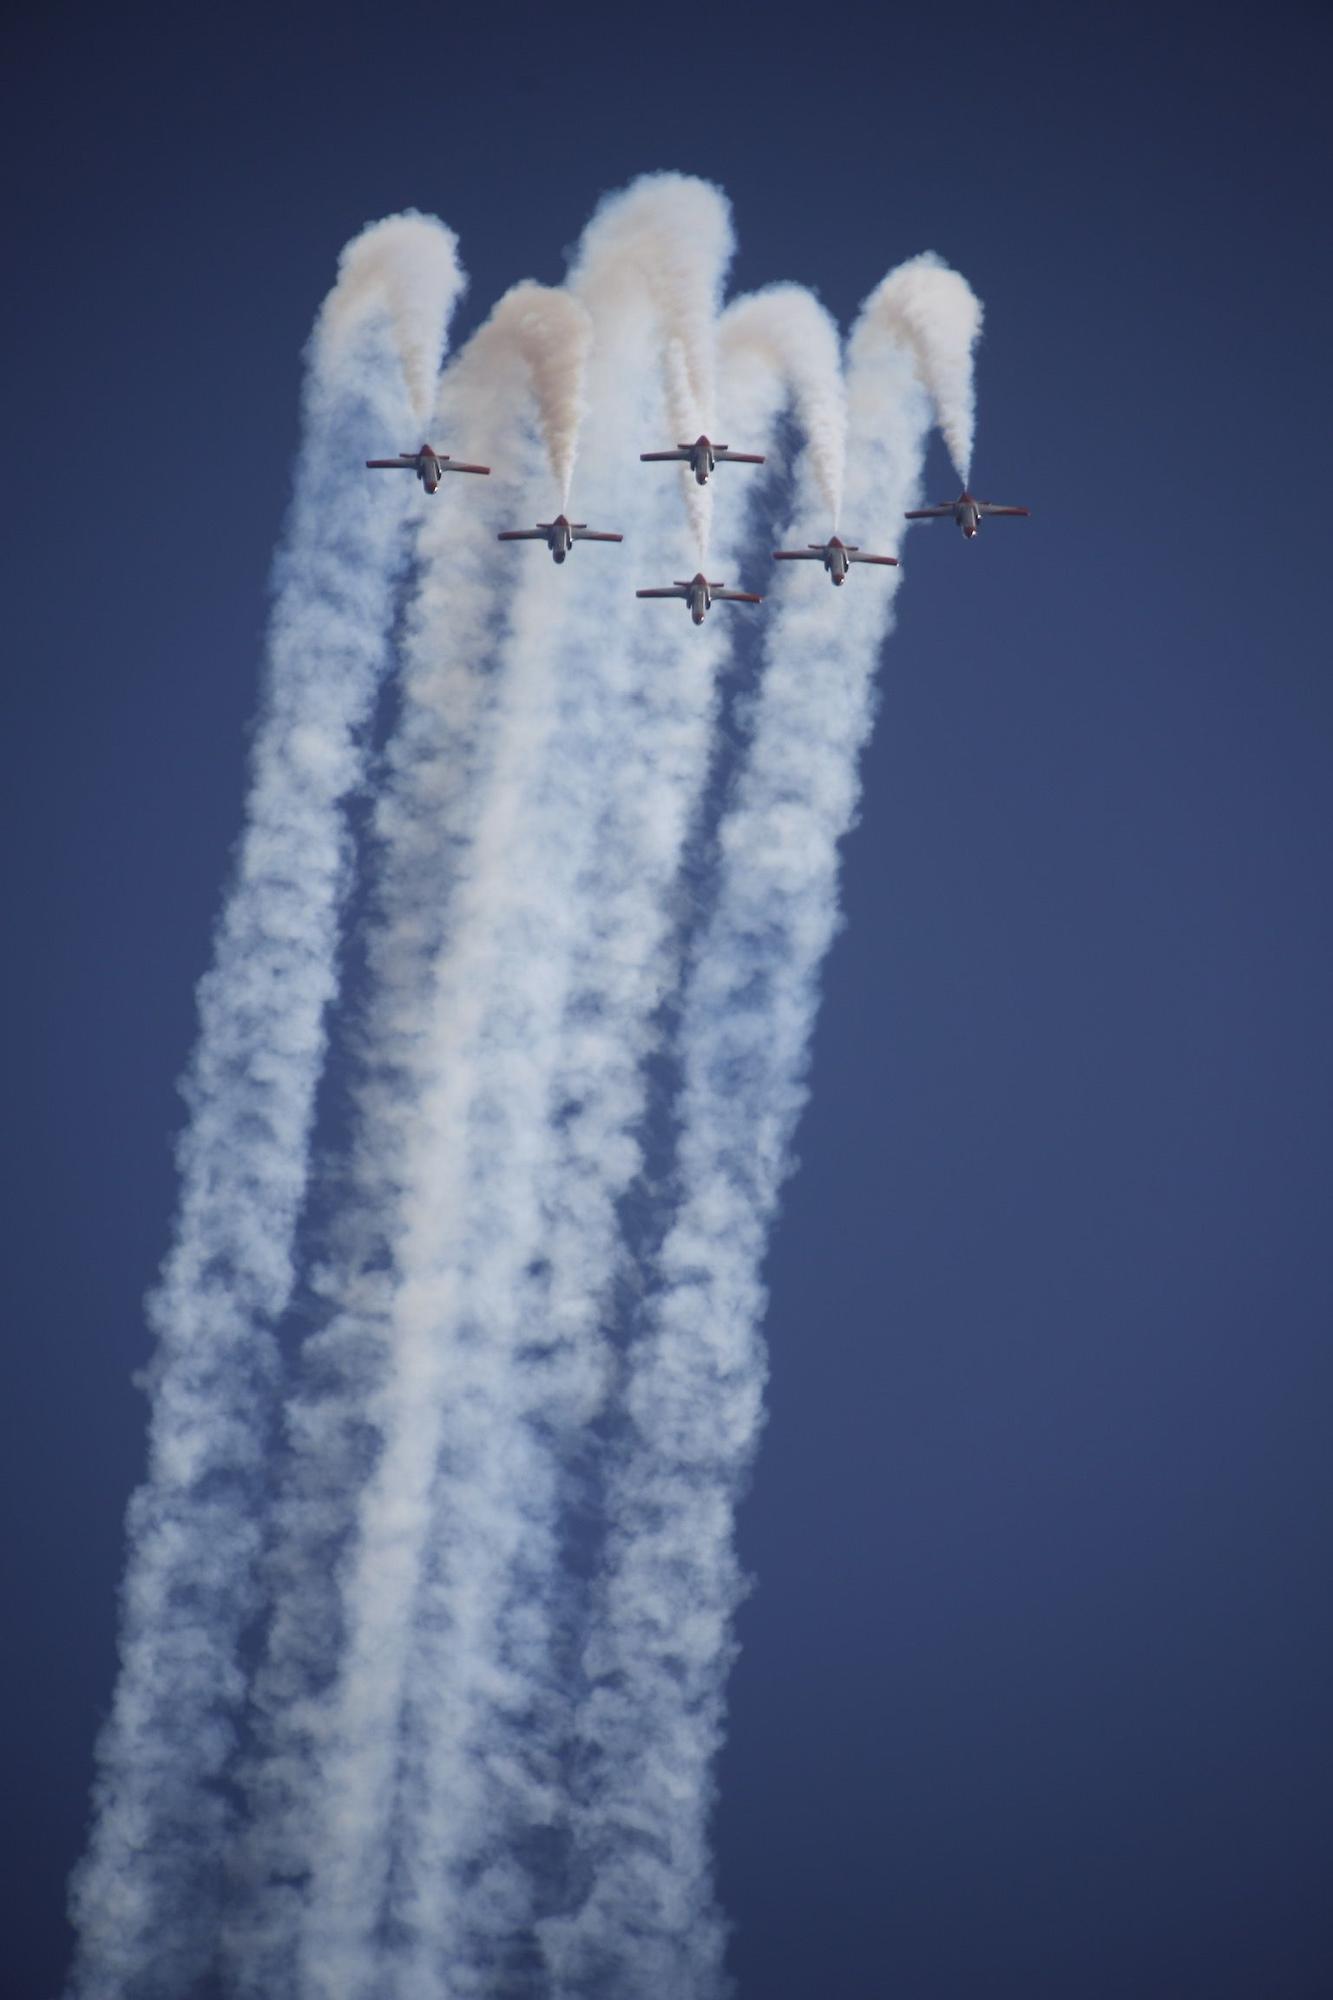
(425, 1637)
(146, 1897)
(939, 315)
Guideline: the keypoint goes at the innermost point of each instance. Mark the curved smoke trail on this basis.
(631, 735)
(780, 344)
(501, 1571)
(453, 712)
(657, 1663)
(680, 268)
(938, 314)
(456, 1522)
(553, 334)
(681, 272)
(405, 269)
(145, 1898)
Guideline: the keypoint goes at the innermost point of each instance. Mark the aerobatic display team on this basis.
(428, 1609)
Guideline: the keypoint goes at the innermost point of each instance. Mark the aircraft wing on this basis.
(659, 456)
(988, 508)
(456, 465)
(798, 555)
(928, 513)
(521, 535)
(389, 464)
(670, 591)
(737, 457)
(737, 596)
(593, 535)
(889, 562)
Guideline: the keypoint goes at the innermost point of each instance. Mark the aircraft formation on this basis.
(703, 457)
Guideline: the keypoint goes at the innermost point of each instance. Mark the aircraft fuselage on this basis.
(702, 457)
(697, 594)
(966, 510)
(702, 460)
(425, 463)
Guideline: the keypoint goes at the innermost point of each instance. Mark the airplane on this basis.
(836, 555)
(428, 464)
(699, 593)
(966, 510)
(559, 535)
(702, 456)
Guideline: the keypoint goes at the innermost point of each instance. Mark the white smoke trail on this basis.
(652, 1719)
(639, 699)
(454, 710)
(939, 315)
(680, 268)
(685, 425)
(405, 267)
(439, 1636)
(416, 1831)
(681, 272)
(635, 741)
(553, 334)
(780, 341)
(145, 1898)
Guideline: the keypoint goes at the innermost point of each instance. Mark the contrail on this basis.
(939, 315)
(553, 334)
(145, 1898)
(640, 702)
(685, 421)
(454, 709)
(656, 1664)
(499, 1575)
(644, 697)
(460, 708)
(464, 1366)
(627, 756)
(404, 269)
(681, 271)
(780, 345)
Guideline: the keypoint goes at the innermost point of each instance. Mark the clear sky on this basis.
(1032, 1696)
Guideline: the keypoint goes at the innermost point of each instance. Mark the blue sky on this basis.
(1031, 1696)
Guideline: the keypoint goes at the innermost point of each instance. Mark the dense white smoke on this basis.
(524, 1013)
(403, 271)
(669, 238)
(499, 1576)
(781, 344)
(939, 315)
(659, 1652)
(435, 784)
(680, 271)
(553, 334)
(146, 1897)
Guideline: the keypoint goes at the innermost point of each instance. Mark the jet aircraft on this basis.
(699, 593)
(836, 556)
(559, 535)
(966, 510)
(428, 464)
(702, 457)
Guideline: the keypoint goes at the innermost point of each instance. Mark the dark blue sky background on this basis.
(1033, 1695)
